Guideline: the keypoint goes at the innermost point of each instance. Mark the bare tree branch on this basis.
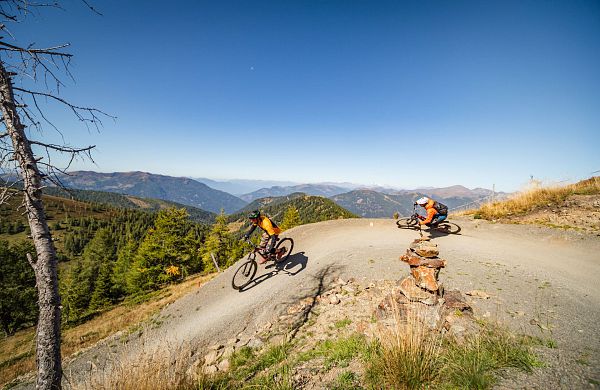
(75, 109)
(64, 149)
(51, 51)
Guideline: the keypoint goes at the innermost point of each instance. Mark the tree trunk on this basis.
(45, 266)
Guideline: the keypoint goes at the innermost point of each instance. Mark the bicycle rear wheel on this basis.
(449, 227)
(286, 243)
(407, 223)
(244, 274)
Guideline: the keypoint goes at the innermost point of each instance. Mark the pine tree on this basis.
(291, 218)
(171, 243)
(102, 296)
(122, 270)
(18, 295)
(217, 244)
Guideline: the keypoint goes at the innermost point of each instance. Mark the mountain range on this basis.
(365, 202)
(146, 185)
(325, 190)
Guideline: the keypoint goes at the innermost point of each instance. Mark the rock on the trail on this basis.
(454, 300)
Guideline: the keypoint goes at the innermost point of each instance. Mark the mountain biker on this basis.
(270, 232)
(436, 211)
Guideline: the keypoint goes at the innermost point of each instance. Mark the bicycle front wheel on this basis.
(407, 223)
(288, 245)
(244, 275)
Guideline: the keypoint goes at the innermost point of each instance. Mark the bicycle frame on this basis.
(257, 250)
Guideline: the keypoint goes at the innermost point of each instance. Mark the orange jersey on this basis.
(431, 211)
(268, 226)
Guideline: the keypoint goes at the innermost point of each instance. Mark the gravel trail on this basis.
(542, 281)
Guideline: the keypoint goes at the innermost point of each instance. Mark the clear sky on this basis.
(404, 94)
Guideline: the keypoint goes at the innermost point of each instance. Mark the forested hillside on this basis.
(129, 202)
(106, 255)
(310, 208)
(147, 185)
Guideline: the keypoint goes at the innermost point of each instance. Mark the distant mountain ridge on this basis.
(238, 187)
(374, 204)
(325, 190)
(147, 185)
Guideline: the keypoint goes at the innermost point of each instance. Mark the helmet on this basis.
(422, 201)
(254, 214)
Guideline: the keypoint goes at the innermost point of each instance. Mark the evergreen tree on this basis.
(18, 295)
(168, 252)
(218, 243)
(291, 218)
(121, 284)
(82, 282)
(102, 297)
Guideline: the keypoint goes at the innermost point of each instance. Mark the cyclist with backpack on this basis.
(436, 211)
(270, 232)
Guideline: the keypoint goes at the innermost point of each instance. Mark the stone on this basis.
(415, 260)
(232, 341)
(255, 343)
(333, 299)
(242, 342)
(212, 357)
(430, 317)
(414, 293)
(454, 300)
(425, 277)
(478, 294)
(210, 370)
(215, 347)
(224, 365)
(228, 351)
(349, 289)
(427, 251)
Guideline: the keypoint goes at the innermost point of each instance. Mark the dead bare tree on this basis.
(26, 162)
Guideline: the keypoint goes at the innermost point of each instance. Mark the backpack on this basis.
(440, 208)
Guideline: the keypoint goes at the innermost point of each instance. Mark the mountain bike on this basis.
(412, 222)
(245, 273)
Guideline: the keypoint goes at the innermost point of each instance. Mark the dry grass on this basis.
(534, 198)
(408, 354)
(161, 369)
(17, 353)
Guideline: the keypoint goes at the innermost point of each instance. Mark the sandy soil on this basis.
(542, 281)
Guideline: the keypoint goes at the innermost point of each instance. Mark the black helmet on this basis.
(254, 214)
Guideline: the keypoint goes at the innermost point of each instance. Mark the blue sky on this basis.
(402, 94)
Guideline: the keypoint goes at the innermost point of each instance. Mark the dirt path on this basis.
(542, 281)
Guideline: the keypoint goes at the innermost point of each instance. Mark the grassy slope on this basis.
(536, 198)
(17, 352)
(130, 202)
